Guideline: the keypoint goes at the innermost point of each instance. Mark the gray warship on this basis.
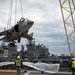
(34, 53)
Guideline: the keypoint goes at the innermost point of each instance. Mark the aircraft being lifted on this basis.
(16, 32)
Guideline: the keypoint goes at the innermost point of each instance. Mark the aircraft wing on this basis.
(4, 32)
(27, 36)
(49, 68)
(3, 38)
(6, 63)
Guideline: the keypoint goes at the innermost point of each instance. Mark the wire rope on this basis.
(21, 8)
(10, 15)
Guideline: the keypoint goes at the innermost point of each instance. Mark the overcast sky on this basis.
(48, 26)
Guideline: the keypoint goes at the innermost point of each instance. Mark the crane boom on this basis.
(68, 15)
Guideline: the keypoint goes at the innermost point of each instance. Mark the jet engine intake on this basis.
(16, 28)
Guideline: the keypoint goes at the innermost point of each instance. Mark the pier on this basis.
(13, 72)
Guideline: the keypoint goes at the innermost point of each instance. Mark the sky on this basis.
(48, 26)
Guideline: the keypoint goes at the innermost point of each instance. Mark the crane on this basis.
(68, 15)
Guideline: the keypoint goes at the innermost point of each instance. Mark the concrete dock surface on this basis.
(13, 72)
(58, 73)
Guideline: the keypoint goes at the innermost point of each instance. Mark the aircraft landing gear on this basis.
(42, 71)
(19, 40)
(12, 44)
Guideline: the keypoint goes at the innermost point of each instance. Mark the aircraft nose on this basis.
(30, 22)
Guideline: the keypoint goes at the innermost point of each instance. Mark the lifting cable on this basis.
(15, 10)
(21, 8)
(10, 15)
(10, 12)
(16, 4)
